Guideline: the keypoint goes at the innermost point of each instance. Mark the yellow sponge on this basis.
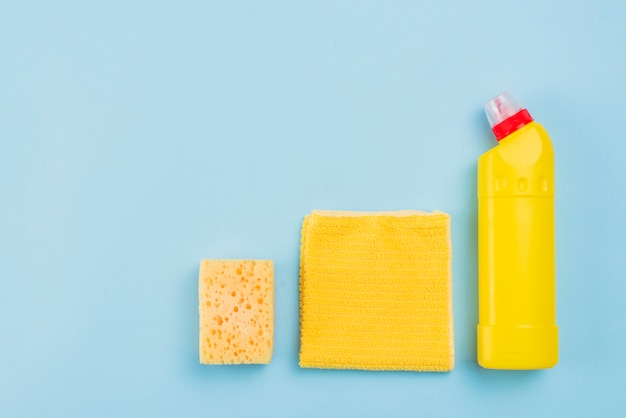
(236, 311)
(376, 291)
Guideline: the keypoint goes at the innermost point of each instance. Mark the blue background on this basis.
(139, 137)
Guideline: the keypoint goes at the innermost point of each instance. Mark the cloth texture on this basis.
(376, 291)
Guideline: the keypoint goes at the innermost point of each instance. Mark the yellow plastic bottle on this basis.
(516, 264)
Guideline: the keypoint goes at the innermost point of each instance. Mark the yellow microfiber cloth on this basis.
(376, 291)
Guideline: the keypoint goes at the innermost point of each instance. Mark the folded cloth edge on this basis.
(393, 213)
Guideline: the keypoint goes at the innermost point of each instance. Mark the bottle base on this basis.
(518, 348)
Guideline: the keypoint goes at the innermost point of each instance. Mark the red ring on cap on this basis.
(511, 124)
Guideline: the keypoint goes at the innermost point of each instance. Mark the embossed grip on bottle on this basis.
(504, 186)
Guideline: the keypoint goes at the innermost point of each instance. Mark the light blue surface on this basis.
(139, 137)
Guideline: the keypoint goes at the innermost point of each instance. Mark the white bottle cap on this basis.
(501, 107)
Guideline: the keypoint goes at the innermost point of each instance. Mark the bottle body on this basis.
(516, 253)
